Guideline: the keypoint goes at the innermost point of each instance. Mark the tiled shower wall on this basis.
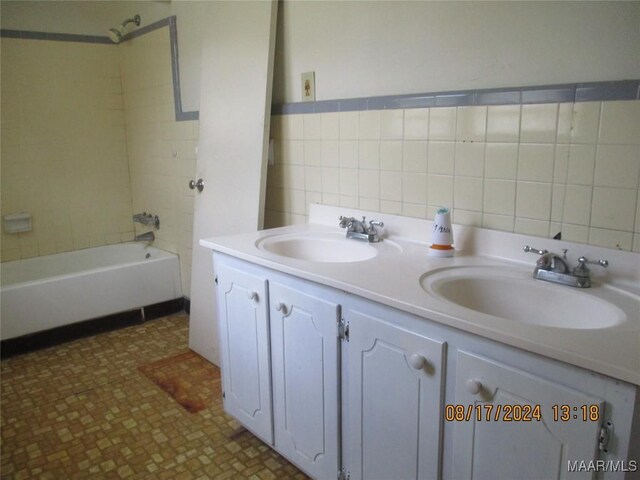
(64, 156)
(535, 169)
(161, 150)
(89, 137)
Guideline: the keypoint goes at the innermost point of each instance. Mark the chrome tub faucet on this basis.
(145, 237)
(358, 229)
(552, 267)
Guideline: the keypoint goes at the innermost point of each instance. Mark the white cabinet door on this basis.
(395, 389)
(305, 372)
(491, 448)
(244, 341)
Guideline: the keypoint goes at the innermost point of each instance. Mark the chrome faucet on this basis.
(358, 228)
(147, 219)
(145, 237)
(552, 267)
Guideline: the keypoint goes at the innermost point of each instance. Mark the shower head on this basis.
(115, 34)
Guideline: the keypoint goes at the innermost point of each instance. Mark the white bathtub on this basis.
(46, 292)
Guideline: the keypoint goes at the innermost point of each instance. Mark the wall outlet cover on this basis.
(309, 87)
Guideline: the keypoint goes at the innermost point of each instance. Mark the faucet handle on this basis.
(376, 223)
(528, 249)
(584, 260)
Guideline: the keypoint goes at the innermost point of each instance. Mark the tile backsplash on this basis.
(536, 169)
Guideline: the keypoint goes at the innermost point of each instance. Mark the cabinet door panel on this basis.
(305, 379)
(497, 449)
(395, 393)
(244, 333)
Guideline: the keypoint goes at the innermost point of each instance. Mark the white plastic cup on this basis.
(442, 234)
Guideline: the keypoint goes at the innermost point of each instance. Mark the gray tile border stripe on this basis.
(574, 92)
(171, 22)
(56, 37)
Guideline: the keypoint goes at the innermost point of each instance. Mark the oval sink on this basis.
(325, 248)
(512, 294)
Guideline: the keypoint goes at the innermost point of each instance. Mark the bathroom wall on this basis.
(63, 135)
(535, 169)
(363, 49)
(162, 151)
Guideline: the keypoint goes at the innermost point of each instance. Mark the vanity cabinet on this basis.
(244, 345)
(345, 387)
(395, 390)
(506, 427)
(305, 364)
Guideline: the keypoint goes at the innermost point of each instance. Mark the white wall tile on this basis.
(535, 162)
(313, 153)
(499, 196)
(414, 156)
(610, 238)
(503, 223)
(581, 166)
(441, 157)
(586, 118)
(330, 126)
(501, 160)
(414, 210)
(349, 182)
(391, 155)
(414, 188)
(467, 193)
(561, 164)
(313, 179)
(533, 200)
(613, 208)
(565, 119)
(330, 180)
(292, 127)
(465, 217)
(416, 124)
(527, 226)
(442, 124)
(620, 123)
(369, 154)
(577, 204)
(469, 159)
(440, 190)
(349, 125)
(330, 153)
(617, 166)
(371, 204)
(539, 123)
(391, 207)
(391, 125)
(369, 183)
(312, 126)
(391, 186)
(348, 153)
(471, 124)
(503, 123)
(369, 128)
(575, 233)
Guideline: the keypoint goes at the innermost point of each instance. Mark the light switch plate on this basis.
(309, 87)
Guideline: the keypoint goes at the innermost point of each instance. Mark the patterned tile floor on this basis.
(83, 410)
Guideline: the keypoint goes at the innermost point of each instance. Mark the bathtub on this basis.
(51, 291)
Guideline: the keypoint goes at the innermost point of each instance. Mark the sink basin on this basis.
(512, 294)
(324, 248)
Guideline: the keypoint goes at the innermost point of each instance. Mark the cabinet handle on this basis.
(417, 361)
(473, 386)
(281, 307)
(253, 296)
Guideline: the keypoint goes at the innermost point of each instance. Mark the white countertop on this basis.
(393, 278)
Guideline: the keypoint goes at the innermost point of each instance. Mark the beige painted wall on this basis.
(362, 49)
(64, 157)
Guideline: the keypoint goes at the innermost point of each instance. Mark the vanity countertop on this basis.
(392, 277)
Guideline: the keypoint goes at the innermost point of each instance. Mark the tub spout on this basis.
(145, 237)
